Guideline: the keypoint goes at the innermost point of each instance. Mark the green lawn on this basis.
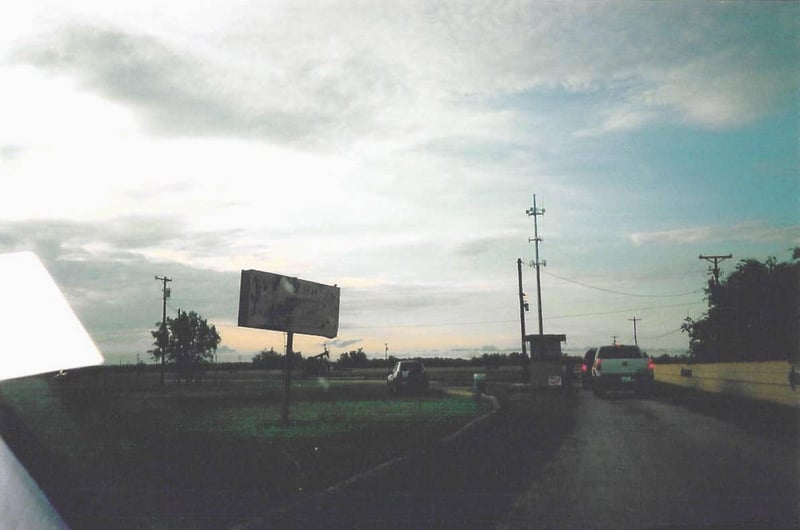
(114, 448)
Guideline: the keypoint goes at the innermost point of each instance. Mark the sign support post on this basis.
(287, 379)
(282, 303)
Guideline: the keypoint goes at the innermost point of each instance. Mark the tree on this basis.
(272, 360)
(752, 315)
(353, 359)
(187, 341)
(268, 359)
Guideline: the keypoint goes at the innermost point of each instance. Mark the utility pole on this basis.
(535, 212)
(715, 268)
(634, 320)
(713, 285)
(614, 340)
(523, 306)
(163, 338)
(386, 345)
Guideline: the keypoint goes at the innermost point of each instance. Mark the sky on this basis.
(393, 149)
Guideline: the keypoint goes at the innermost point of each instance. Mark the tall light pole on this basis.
(535, 212)
(163, 338)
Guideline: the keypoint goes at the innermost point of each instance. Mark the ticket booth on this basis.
(545, 351)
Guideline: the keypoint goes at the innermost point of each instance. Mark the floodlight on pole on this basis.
(535, 213)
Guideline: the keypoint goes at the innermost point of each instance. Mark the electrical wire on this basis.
(676, 330)
(651, 308)
(582, 284)
(441, 325)
(475, 322)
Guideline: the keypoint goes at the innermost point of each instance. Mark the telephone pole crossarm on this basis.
(715, 260)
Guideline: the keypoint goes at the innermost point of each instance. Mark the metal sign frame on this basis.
(283, 303)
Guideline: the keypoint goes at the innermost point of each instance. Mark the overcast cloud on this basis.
(393, 149)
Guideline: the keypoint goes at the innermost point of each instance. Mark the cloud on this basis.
(723, 90)
(402, 298)
(11, 152)
(108, 277)
(476, 246)
(479, 350)
(183, 92)
(177, 92)
(439, 120)
(67, 239)
(407, 71)
(112, 240)
(750, 232)
(338, 343)
(620, 119)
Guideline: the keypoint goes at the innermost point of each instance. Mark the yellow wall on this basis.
(767, 381)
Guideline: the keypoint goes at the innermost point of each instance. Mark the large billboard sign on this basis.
(282, 303)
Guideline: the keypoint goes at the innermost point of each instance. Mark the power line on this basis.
(676, 330)
(651, 308)
(440, 325)
(474, 322)
(582, 284)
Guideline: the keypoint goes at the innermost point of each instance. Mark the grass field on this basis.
(112, 448)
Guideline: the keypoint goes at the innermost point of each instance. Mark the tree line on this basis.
(272, 360)
(753, 314)
(189, 343)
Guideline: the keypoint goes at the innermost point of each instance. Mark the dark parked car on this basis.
(407, 376)
(586, 367)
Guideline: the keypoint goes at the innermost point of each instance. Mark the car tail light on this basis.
(651, 365)
(598, 364)
(584, 368)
